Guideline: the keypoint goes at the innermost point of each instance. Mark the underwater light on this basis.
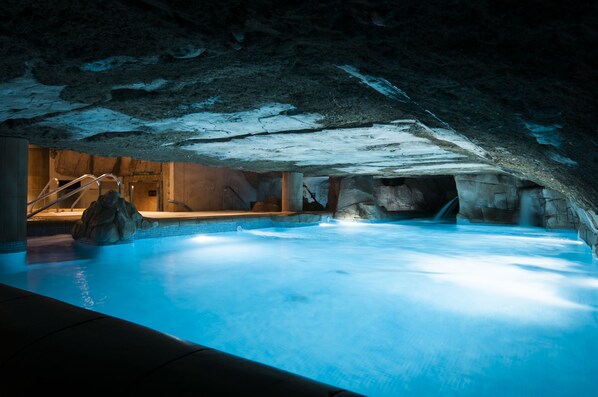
(323, 224)
(203, 238)
(351, 223)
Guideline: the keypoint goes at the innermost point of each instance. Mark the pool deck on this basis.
(166, 224)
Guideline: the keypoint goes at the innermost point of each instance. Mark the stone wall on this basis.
(488, 198)
(356, 199)
(366, 197)
(503, 199)
(426, 195)
(319, 186)
(558, 211)
(587, 226)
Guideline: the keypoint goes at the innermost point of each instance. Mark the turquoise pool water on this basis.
(396, 309)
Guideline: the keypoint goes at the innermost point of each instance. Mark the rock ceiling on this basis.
(325, 87)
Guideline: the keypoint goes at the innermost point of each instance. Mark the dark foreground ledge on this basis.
(51, 346)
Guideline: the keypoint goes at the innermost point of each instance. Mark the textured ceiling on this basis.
(327, 87)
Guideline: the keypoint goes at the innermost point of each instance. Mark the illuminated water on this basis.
(409, 309)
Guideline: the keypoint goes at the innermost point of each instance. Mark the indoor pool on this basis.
(384, 309)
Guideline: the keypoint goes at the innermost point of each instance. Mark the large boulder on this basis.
(109, 220)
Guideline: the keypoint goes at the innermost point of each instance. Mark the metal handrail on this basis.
(81, 195)
(181, 204)
(55, 180)
(61, 188)
(236, 194)
(43, 191)
(313, 196)
(79, 189)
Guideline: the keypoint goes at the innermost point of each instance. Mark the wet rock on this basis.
(109, 220)
(505, 199)
(315, 193)
(489, 198)
(356, 199)
(110, 199)
(105, 234)
(103, 217)
(587, 226)
(400, 198)
(558, 212)
(424, 195)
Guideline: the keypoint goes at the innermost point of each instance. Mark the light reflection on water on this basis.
(382, 309)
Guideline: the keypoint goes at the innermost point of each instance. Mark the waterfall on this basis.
(526, 211)
(447, 209)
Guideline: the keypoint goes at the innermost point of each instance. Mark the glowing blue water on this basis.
(383, 309)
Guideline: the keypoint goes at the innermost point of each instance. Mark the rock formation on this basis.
(426, 195)
(490, 198)
(109, 220)
(366, 197)
(423, 88)
(356, 199)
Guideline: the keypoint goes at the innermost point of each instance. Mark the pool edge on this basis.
(53, 345)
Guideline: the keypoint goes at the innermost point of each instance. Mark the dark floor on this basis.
(50, 346)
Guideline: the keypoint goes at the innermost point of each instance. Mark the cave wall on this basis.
(356, 199)
(319, 186)
(366, 197)
(587, 226)
(504, 199)
(427, 194)
(483, 198)
(489, 198)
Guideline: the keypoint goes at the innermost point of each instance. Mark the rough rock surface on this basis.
(170, 80)
(587, 227)
(558, 213)
(366, 197)
(490, 198)
(356, 199)
(319, 188)
(414, 194)
(109, 220)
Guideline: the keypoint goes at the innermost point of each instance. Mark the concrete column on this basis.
(38, 170)
(13, 194)
(292, 191)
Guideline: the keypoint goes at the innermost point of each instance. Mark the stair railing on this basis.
(229, 188)
(96, 180)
